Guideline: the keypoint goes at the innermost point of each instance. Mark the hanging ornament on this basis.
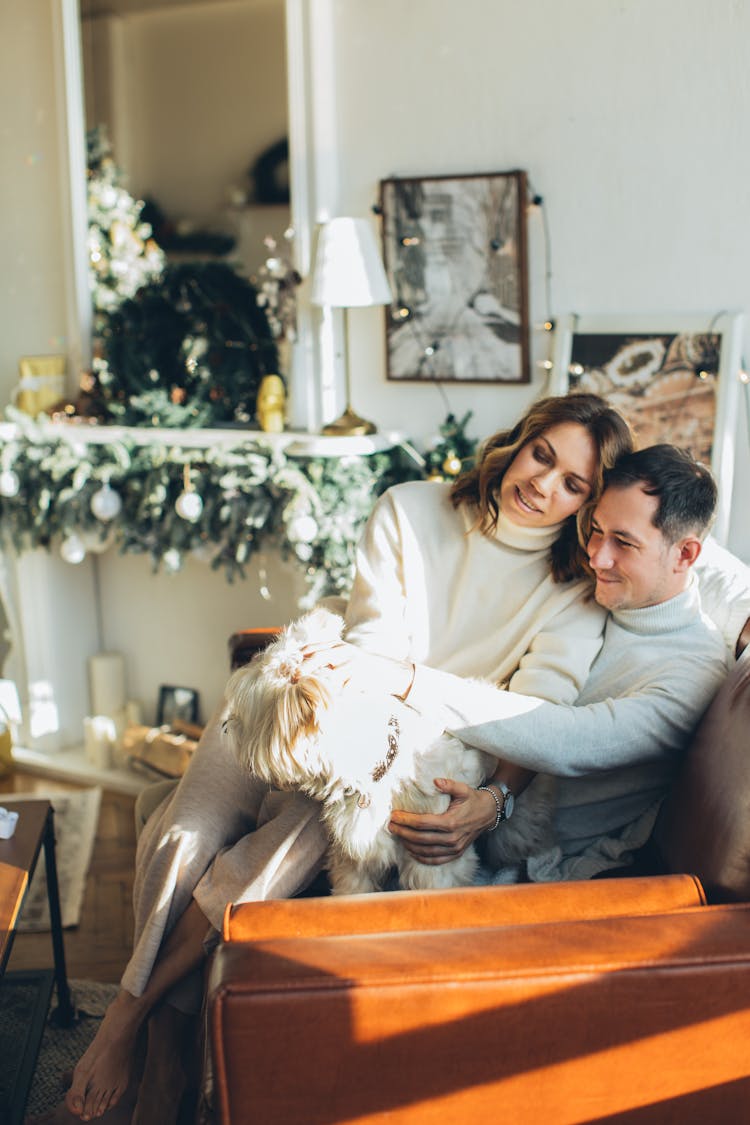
(9, 483)
(452, 465)
(172, 560)
(106, 504)
(302, 529)
(189, 504)
(73, 550)
(452, 452)
(263, 588)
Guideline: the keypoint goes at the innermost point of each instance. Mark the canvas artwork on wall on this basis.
(455, 254)
(674, 379)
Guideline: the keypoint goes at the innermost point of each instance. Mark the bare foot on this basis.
(104, 1071)
(121, 1114)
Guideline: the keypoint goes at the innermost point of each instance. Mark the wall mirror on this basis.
(193, 94)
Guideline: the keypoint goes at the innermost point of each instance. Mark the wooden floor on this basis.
(98, 948)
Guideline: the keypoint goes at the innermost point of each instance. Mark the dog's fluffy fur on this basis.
(362, 756)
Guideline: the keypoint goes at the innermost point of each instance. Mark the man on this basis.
(616, 750)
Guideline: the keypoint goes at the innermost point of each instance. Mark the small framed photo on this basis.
(176, 703)
(455, 255)
(675, 378)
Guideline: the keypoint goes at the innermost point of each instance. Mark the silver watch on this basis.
(509, 801)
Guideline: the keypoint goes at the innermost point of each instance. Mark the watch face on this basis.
(510, 804)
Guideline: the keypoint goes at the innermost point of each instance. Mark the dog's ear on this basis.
(272, 718)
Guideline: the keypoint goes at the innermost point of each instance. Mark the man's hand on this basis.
(438, 838)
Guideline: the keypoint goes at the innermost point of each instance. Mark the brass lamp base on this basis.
(349, 424)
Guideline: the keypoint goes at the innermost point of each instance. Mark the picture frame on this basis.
(674, 377)
(176, 703)
(455, 252)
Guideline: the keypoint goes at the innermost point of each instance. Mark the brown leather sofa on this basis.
(615, 1000)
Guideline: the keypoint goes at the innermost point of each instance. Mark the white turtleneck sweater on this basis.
(431, 590)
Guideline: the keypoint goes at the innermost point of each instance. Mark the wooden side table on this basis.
(18, 859)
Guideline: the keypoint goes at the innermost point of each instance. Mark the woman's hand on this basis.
(348, 665)
(439, 838)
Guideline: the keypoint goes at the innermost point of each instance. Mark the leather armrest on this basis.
(703, 825)
(634, 1016)
(244, 644)
(473, 907)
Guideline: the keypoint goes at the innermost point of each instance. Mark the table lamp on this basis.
(348, 273)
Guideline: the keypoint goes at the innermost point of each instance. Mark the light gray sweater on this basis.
(616, 750)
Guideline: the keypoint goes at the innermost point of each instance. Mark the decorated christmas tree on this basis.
(123, 255)
(452, 453)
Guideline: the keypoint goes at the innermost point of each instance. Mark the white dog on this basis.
(362, 756)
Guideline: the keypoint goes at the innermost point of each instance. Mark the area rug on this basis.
(61, 1047)
(76, 821)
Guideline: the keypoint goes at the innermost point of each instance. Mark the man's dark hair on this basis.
(685, 488)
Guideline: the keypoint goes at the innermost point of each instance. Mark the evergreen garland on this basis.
(249, 497)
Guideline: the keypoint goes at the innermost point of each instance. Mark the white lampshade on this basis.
(348, 271)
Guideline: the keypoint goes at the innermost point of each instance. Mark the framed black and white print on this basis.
(675, 378)
(455, 255)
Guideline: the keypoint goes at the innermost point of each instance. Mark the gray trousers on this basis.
(219, 836)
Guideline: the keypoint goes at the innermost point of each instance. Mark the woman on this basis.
(481, 578)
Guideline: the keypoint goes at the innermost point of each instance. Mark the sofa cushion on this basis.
(704, 824)
(454, 909)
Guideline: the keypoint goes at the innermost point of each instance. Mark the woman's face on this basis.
(550, 477)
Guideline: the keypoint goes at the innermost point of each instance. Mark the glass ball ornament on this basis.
(73, 550)
(452, 465)
(106, 504)
(189, 506)
(302, 529)
(9, 483)
(303, 551)
(172, 560)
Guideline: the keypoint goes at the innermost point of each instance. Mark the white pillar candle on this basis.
(107, 683)
(133, 711)
(99, 740)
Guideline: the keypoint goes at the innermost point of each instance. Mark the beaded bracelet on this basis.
(500, 805)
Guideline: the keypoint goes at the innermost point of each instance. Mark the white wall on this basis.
(630, 118)
(174, 628)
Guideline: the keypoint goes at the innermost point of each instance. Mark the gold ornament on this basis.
(452, 465)
(270, 403)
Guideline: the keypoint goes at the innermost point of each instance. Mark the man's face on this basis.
(634, 564)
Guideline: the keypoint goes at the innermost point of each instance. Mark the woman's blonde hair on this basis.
(480, 487)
